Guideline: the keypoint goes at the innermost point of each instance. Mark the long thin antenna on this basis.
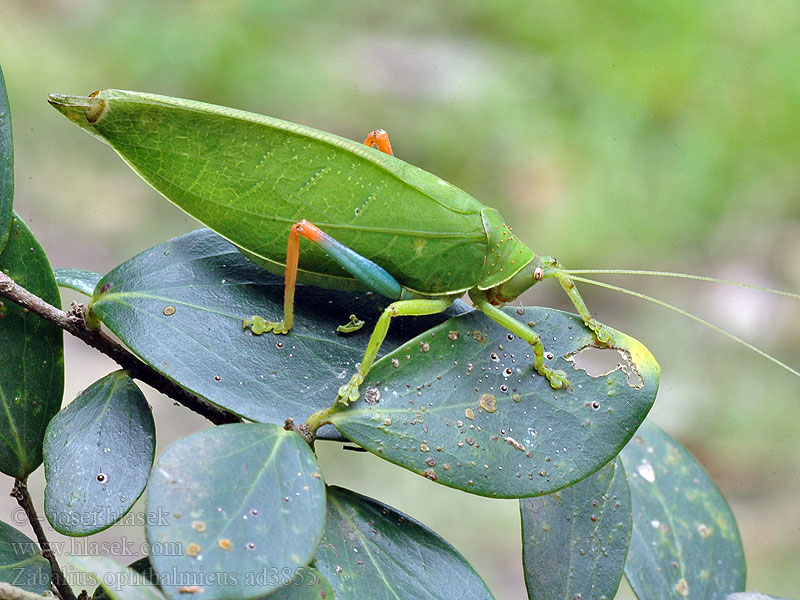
(679, 276)
(680, 311)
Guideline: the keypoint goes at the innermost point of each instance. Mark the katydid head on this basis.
(522, 280)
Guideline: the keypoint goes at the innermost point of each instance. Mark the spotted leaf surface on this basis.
(97, 455)
(180, 307)
(6, 165)
(31, 346)
(685, 543)
(116, 582)
(21, 563)
(80, 280)
(370, 550)
(310, 584)
(243, 503)
(462, 405)
(574, 541)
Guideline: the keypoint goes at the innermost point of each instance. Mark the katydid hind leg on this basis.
(367, 272)
(417, 307)
(379, 139)
(557, 377)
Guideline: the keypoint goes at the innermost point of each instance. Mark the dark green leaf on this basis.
(97, 455)
(141, 566)
(431, 405)
(574, 541)
(180, 305)
(6, 165)
(32, 365)
(370, 550)
(245, 503)
(21, 563)
(118, 582)
(685, 542)
(308, 585)
(80, 280)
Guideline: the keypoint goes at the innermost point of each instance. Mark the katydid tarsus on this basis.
(374, 221)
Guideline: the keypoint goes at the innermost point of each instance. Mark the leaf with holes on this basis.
(21, 563)
(97, 455)
(574, 541)
(462, 405)
(32, 346)
(245, 502)
(370, 550)
(685, 542)
(117, 582)
(80, 280)
(179, 306)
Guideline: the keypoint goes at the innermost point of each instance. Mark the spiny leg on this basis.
(379, 139)
(556, 377)
(551, 268)
(416, 307)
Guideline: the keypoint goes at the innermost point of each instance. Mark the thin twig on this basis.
(20, 493)
(9, 592)
(74, 322)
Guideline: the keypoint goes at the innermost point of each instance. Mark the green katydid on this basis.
(375, 221)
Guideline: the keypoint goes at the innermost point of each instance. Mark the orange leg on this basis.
(379, 139)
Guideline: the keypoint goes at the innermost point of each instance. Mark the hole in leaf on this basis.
(601, 362)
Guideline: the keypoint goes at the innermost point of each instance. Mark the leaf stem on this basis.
(20, 493)
(318, 419)
(74, 322)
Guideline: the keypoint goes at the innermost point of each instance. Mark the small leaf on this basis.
(574, 541)
(80, 280)
(308, 585)
(6, 165)
(118, 582)
(685, 542)
(462, 405)
(21, 563)
(180, 306)
(97, 455)
(32, 346)
(370, 550)
(244, 500)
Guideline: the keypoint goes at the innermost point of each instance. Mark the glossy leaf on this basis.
(685, 542)
(97, 456)
(21, 563)
(244, 502)
(180, 305)
(462, 405)
(370, 550)
(308, 585)
(32, 346)
(80, 280)
(6, 165)
(118, 582)
(574, 541)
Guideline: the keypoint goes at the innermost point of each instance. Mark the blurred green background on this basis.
(630, 134)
